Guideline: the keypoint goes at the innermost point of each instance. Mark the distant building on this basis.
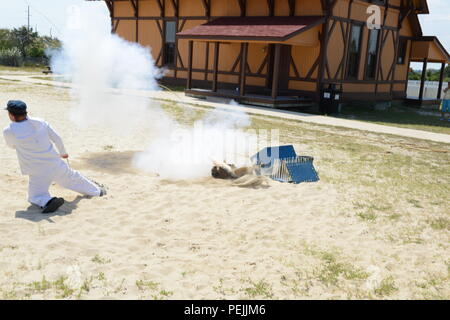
(281, 52)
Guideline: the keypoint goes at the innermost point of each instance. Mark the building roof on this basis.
(431, 48)
(252, 28)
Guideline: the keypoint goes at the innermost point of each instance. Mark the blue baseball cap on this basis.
(16, 107)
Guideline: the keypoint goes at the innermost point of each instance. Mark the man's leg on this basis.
(38, 186)
(73, 180)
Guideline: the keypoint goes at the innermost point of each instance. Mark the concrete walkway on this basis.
(179, 97)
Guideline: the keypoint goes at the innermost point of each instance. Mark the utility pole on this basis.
(28, 18)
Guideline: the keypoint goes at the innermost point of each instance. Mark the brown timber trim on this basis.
(396, 46)
(292, 7)
(379, 66)
(161, 5)
(207, 7)
(347, 40)
(422, 79)
(228, 73)
(276, 71)
(271, 6)
(243, 7)
(177, 25)
(243, 69)
(116, 25)
(176, 7)
(294, 67)
(441, 80)
(216, 66)
(189, 75)
(325, 37)
(313, 68)
(206, 60)
(263, 64)
(361, 22)
(110, 5)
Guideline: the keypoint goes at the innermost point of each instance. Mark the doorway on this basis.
(285, 64)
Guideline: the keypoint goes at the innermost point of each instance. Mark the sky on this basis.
(49, 16)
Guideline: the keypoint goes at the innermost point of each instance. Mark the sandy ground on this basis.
(205, 239)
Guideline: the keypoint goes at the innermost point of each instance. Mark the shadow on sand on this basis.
(108, 162)
(34, 214)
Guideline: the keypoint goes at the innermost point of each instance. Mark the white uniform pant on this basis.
(63, 175)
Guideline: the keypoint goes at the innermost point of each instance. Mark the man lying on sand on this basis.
(222, 170)
(32, 138)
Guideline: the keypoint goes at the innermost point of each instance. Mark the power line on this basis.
(43, 15)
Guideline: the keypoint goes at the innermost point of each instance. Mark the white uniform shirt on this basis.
(32, 140)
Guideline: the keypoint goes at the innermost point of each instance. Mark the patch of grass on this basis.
(120, 287)
(147, 285)
(415, 203)
(64, 290)
(258, 289)
(108, 147)
(160, 293)
(101, 277)
(40, 286)
(167, 87)
(398, 116)
(165, 293)
(6, 69)
(367, 216)
(386, 287)
(86, 286)
(440, 223)
(100, 260)
(332, 270)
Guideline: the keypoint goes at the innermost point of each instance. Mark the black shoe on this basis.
(53, 205)
(102, 192)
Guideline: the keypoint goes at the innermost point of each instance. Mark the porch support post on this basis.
(276, 71)
(244, 52)
(189, 75)
(422, 79)
(216, 66)
(441, 80)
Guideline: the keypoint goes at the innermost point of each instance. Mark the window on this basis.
(169, 45)
(401, 55)
(353, 52)
(372, 54)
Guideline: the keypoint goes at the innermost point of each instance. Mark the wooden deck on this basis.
(253, 99)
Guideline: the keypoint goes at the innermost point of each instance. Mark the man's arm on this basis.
(8, 139)
(56, 140)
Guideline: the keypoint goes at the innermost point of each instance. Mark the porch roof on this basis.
(269, 29)
(430, 48)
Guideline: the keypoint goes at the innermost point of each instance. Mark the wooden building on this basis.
(281, 52)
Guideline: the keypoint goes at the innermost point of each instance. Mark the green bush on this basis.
(36, 52)
(11, 57)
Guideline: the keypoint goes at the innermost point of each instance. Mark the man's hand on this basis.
(65, 156)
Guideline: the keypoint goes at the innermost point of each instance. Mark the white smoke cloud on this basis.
(96, 61)
(188, 152)
(104, 69)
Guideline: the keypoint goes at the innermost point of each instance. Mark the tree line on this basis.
(431, 75)
(23, 46)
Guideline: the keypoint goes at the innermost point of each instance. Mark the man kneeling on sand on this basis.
(33, 140)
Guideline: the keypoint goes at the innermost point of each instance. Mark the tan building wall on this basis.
(304, 55)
